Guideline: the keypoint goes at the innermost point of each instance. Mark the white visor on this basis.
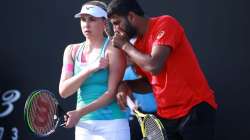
(93, 11)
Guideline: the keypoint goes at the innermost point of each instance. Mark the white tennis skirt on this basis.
(117, 129)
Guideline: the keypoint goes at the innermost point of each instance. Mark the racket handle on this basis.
(130, 103)
(62, 113)
(63, 124)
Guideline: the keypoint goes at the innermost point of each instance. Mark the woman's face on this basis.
(92, 26)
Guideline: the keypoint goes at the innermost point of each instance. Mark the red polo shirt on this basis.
(181, 83)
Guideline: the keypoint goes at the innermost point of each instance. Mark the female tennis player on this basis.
(93, 69)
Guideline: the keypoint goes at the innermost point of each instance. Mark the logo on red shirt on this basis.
(160, 34)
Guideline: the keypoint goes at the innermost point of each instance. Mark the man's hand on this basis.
(119, 39)
(123, 91)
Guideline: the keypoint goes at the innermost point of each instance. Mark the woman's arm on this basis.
(69, 83)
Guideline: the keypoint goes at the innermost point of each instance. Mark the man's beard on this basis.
(130, 30)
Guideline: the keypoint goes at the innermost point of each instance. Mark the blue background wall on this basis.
(33, 35)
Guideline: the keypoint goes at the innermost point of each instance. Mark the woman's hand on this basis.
(72, 119)
(99, 64)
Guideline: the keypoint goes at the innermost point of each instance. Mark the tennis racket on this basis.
(151, 127)
(42, 113)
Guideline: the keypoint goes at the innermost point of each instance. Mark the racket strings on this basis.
(33, 115)
(152, 129)
(50, 110)
(51, 113)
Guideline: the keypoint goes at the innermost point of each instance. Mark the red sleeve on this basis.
(167, 32)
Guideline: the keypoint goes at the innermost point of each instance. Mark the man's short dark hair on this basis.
(123, 7)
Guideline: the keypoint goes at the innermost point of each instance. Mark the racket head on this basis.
(153, 128)
(41, 113)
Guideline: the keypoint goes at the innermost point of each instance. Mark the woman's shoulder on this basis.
(72, 48)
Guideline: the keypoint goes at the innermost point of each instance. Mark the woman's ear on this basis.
(131, 17)
(109, 28)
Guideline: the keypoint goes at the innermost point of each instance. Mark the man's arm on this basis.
(152, 62)
(140, 85)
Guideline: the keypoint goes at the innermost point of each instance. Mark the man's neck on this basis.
(143, 25)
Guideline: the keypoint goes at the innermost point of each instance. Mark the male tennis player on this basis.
(163, 54)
